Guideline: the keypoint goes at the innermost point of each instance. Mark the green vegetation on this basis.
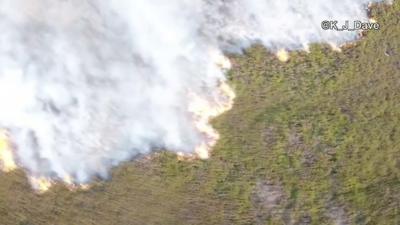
(315, 140)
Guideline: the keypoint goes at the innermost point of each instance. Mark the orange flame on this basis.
(204, 110)
(7, 162)
(73, 186)
(283, 55)
(335, 47)
(41, 184)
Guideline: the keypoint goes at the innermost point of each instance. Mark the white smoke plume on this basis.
(87, 84)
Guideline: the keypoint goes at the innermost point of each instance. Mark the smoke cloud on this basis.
(87, 84)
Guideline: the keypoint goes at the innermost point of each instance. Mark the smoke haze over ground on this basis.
(85, 85)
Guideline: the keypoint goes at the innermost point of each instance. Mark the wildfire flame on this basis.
(7, 162)
(372, 20)
(73, 186)
(40, 184)
(43, 184)
(335, 47)
(204, 110)
(283, 55)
